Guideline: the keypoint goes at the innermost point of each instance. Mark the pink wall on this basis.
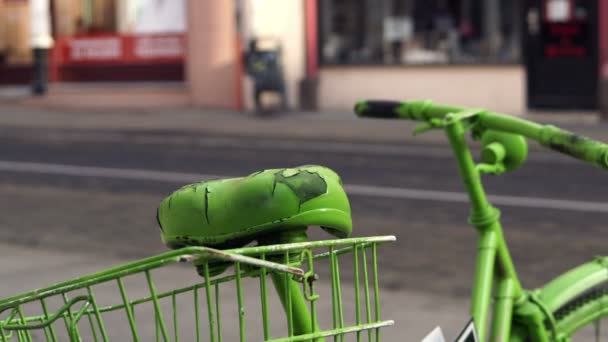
(212, 69)
(500, 88)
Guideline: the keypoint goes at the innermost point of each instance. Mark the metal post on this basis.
(41, 42)
(310, 84)
(492, 26)
(603, 58)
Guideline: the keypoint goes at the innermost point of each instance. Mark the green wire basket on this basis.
(309, 291)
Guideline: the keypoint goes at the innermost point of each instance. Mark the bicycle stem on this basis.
(560, 140)
(300, 320)
(491, 245)
(557, 139)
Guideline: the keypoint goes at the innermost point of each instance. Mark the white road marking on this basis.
(352, 189)
(449, 196)
(103, 172)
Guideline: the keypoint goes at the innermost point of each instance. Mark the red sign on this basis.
(569, 39)
(121, 49)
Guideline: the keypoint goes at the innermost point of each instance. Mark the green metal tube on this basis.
(484, 217)
(128, 308)
(210, 312)
(424, 110)
(510, 124)
(218, 312)
(196, 315)
(52, 330)
(357, 291)
(505, 262)
(560, 140)
(239, 296)
(503, 311)
(470, 177)
(302, 323)
(580, 147)
(264, 299)
(482, 287)
(531, 325)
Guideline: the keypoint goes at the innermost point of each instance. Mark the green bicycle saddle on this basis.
(230, 213)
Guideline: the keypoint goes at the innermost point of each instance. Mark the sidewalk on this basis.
(321, 126)
(25, 268)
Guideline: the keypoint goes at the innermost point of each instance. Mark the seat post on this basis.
(289, 290)
(291, 296)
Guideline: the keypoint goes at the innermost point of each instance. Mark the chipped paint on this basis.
(160, 226)
(574, 145)
(207, 205)
(234, 212)
(304, 184)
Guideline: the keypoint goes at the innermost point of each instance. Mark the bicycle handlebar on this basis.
(580, 147)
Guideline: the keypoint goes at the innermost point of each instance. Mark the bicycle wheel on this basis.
(586, 309)
(572, 305)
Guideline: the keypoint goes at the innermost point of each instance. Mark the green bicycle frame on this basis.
(516, 313)
(494, 264)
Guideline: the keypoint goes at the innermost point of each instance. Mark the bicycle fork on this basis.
(493, 264)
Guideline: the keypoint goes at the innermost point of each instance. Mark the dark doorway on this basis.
(561, 53)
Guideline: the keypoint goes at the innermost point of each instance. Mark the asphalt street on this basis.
(65, 190)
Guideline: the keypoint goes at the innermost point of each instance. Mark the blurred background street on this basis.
(83, 184)
(106, 106)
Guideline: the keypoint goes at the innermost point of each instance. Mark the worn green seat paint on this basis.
(233, 212)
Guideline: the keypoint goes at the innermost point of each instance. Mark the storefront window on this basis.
(15, 48)
(119, 40)
(419, 31)
(91, 17)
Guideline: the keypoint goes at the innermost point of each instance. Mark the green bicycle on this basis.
(243, 233)
(240, 234)
(566, 304)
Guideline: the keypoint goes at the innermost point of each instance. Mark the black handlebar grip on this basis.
(378, 109)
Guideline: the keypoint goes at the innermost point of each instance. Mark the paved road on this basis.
(39, 267)
(435, 251)
(94, 193)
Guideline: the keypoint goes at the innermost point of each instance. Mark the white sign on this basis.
(558, 11)
(435, 336)
(398, 29)
(468, 334)
(96, 48)
(40, 32)
(159, 16)
(158, 47)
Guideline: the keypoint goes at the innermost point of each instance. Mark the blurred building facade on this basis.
(469, 52)
(143, 44)
(457, 51)
(102, 40)
(505, 54)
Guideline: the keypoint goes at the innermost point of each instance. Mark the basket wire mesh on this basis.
(307, 301)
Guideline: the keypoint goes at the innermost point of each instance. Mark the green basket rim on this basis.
(187, 254)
